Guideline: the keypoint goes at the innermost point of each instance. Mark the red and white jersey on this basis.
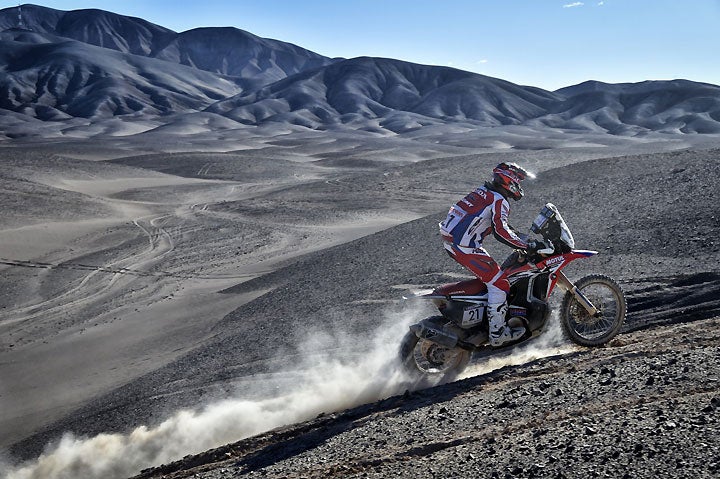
(471, 219)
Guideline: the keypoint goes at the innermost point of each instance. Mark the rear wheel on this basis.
(594, 330)
(421, 357)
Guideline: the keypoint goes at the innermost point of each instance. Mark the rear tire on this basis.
(423, 358)
(607, 296)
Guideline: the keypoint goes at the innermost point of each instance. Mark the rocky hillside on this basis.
(646, 406)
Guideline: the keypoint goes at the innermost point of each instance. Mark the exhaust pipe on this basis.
(437, 336)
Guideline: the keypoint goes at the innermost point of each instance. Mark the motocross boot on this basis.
(499, 332)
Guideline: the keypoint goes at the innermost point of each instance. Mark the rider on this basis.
(469, 221)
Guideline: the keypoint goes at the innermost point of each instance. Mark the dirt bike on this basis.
(592, 311)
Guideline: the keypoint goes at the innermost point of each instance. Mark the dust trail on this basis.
(330, 381)
(551, 342)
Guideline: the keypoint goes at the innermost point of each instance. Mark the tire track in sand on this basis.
(92, 287)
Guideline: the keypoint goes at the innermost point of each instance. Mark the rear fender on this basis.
(454, 306)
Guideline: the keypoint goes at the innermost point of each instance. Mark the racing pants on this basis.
(484, 267)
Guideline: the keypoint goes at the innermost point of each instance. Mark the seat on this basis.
(468, 287)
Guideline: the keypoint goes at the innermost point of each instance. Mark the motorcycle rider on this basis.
(469, 221)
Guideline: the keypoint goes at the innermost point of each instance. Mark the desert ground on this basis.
(157, 305)
(210, 237)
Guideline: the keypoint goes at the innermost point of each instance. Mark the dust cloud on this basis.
(326, 382)
(336, 375)
(551, 342)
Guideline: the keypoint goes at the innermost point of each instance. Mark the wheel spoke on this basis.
(607, 298)
(434, 359)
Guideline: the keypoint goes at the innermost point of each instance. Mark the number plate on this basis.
(473, 315)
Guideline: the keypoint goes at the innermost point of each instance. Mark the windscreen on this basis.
(550, 223)
(565, 234)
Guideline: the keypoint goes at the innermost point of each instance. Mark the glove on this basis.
(540, 248)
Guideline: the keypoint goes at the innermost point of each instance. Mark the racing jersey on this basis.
(471, 219)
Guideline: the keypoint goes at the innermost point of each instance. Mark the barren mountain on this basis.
(228, 51)
(59, 80)
(401, 96)
(231, 51)
(67, 66)
(95, 64)
(677, 106)
(95, 27)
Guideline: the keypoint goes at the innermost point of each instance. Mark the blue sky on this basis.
(544, 43)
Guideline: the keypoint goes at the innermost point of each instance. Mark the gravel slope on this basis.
(645, 406)
(654, 219)
(638, 408)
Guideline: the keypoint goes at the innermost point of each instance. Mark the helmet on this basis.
(508, 176)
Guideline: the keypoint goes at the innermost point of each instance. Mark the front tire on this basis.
(424, 358)
(607, 296)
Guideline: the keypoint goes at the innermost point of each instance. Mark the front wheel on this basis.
(588, 330)
(421, 357)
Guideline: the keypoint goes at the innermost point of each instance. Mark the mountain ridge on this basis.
(137, 36)
(373, 87)
(95, 65)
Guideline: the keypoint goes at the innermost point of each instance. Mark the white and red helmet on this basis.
(508, 177)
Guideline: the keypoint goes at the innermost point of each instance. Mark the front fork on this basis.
(567, 285)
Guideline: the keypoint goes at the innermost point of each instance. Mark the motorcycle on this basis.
(592, 311)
